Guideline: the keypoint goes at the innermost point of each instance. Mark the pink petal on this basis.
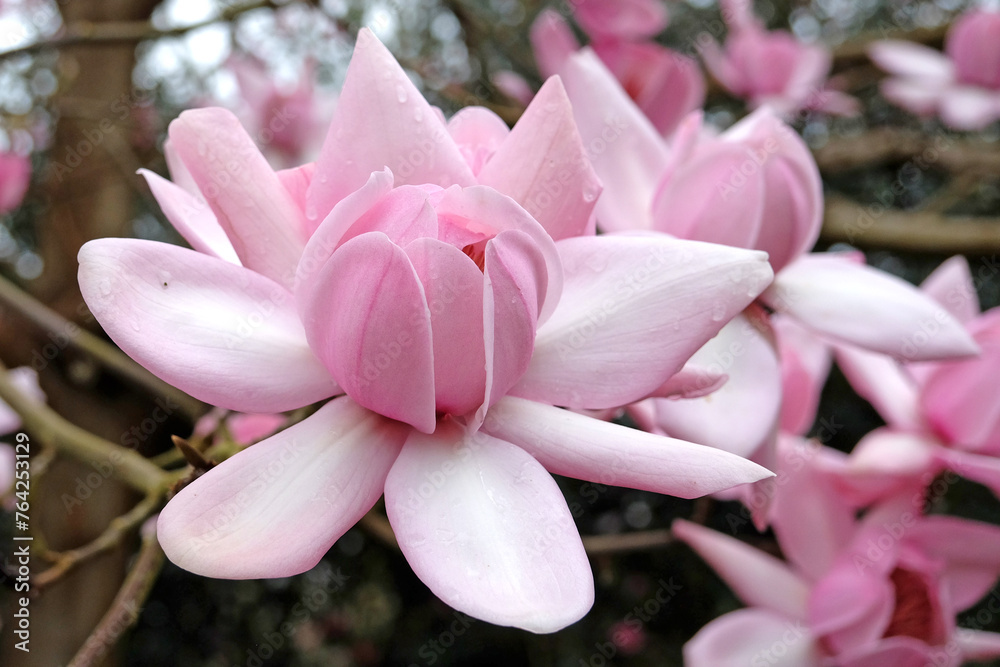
(692, 381)
(741, 415)
(621, 19)
(25, 380)
(709, 199)
(632, 311)
(811, 520)
(960, 397)
(757, 578)
(179, 173)
(552, 41)
(851, 607)
(258, 215)
(627, 152)
(881, 381)
(884, 465)
(469, 208)
(275, 508)
(516, 279)
(574, 445)
(479, 133)
(369, 321)
(868, 308)
(453, 288)
(916, 96)
(220, 332)
(805, 364)
(976, 644)
(909, 59)
(542, 165)
(487, 529)
(382, 121)
(969, 108)
(951, 286)
(771, 639)
(191, 217)
(968, 550)
(898, 651)
(978, 468)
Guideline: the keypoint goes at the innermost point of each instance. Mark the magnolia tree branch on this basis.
(125, 32)
(112, 536)
(922, 150)
(108, 355)
(127, 605)
(917, 231)
(52, 430)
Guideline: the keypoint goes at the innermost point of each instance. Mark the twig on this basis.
(601, 545)
(108, 355)
(125, 608)
(111, 537)
(125, 32)
(52, 430)
(917, 231)
(376, 525)
(885, 145)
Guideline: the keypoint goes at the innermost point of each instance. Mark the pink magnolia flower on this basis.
(665, 84)
(288, 123)
(772, 68)
(244, 428)
(882, 590)
(939, 415)
(26, 380)
(15, 177)
(754, 186)
(962, 85)
(443, 285)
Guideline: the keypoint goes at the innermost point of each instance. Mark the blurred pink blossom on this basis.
(772, 68)
(880, 590)
(665, 84)
(961, 85)
(15, 177)
(439, 281)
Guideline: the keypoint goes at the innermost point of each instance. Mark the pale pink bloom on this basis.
(244, 429)
(7, 467)
(26, 381)
(772, 68)
(287, 123)
(442, 283)
(616, 20)
(882, 590)
(961, 85)
(939, 415)
(15, 176)
(754, 186)
(665, 84)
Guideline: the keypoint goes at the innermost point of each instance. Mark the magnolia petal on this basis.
(692, 381)
(191, 217)
(912, 60)
(969, 552)
(969, 107)
(542, 165)
(959, 398)
(881, 381)
(453, 287)
(633, 310)
(978, 468)
(741, 415)
(851, 607)
(274, 509)
(220, 332)
(757, 578)
(916, 96)
(488, 530)
(976, 644)
(574, 445)
(867, 307)
(898, 651)
(369, 322)
(515, 281)
(808, 515)
(951, 286)
(382, 121)
(479, 132)
(774, 638)
(248, 200)
(552, 41)
(709, 199)
(805, 365)
(627, 152)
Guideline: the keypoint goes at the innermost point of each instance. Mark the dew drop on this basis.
(589, 196)
(105, 287)
(311, 212)
(135, 325)
(400, 93)
(718, 312)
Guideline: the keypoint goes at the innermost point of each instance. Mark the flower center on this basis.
(915, 611)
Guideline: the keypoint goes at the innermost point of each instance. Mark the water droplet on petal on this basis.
(135, 325)
(400, 93)
(718, 312)
(105, 287)
(311, 212)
